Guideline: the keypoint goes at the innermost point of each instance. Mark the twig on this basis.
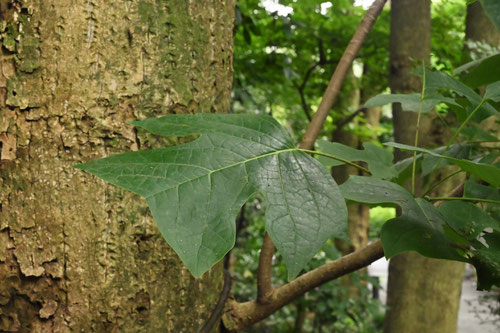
(219, 307)
(345, 121)
(340, 73)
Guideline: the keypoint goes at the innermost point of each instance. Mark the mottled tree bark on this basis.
(77, 254)
(423, 294)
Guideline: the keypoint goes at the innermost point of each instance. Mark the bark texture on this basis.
(423, 294)
(77, 254)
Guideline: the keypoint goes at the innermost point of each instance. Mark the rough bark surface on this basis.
(77, 254)
(423, 294)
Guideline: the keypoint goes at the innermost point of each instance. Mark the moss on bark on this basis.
(76, 253)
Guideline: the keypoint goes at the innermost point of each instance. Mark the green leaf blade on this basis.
(196, 190)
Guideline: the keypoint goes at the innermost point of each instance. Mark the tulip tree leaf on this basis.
(196, 190)
(486, 172)
(379, 160)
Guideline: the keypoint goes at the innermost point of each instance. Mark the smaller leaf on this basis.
(467, 219)
(375, 191)
(379, 160)
(486, 172)
(439, 80)
(420, 229)
(409, 102)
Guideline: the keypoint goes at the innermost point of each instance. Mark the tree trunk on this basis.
(423, 294)
(77, 254)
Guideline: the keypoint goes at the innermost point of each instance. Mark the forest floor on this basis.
(474, 314)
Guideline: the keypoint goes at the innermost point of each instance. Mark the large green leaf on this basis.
(486, 172)
(379, 160)
(196, 190)
(492, 8)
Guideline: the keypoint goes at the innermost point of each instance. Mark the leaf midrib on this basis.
(227, 167)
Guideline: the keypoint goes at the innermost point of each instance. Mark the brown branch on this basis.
(241, 315)
(345, 121)
(340, 73)
(265, 288)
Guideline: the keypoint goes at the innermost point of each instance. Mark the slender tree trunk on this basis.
(77, 254)
(423, 294)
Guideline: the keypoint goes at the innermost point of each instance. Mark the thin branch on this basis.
(242, 315)
(345, 121)
(442, 181)
(340, 73)
(265, 288)
(312, 132)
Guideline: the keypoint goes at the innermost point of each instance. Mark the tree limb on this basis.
(340, 73)
(265, 288)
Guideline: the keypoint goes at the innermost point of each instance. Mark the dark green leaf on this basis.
(196, 190)
(439, 80)
(467, 219)
(420, 228)
(487, 262)
(481, 72)
(379, 160)
(486, 172)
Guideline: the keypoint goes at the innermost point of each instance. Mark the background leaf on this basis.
(196, 190)
(379, 160)
(486, 172)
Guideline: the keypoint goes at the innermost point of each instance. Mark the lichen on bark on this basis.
(76, 253)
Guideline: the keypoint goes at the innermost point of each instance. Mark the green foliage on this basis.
(196, 190)
(486, 172)
(378, 159)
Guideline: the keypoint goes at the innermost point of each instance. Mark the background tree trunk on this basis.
(423, 294)
(77, 254)
(478, 26)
